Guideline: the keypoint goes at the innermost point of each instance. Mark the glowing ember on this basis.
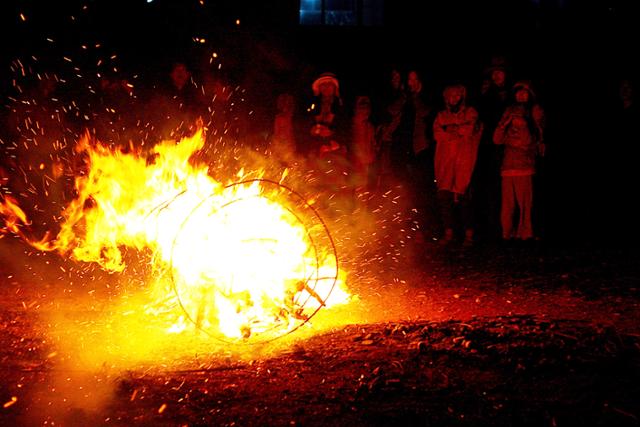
(245, 259)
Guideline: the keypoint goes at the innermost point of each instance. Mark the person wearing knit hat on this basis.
(326, 147)
(326, 79)
(520, 131)
(525, 85)
(326, 112)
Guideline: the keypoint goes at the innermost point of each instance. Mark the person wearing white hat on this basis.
(326, 149)
(325, 131)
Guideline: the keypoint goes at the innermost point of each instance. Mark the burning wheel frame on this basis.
(311, 279)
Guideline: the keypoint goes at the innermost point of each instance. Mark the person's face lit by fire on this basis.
(327, 90)
(453, 97)
(522, 96)
(414, 82)
(180, 75)
(498, 77)
(396, 79)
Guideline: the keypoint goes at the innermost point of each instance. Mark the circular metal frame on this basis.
(311, 280)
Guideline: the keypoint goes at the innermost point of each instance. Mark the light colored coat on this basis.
(457, 136)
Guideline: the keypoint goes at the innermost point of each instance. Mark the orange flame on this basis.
(241, 261)
(12, 213)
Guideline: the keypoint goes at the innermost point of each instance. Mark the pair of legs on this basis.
(448, 201)
(517, 194)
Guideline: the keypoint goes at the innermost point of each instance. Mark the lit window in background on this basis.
(341, 12)
(310, 12)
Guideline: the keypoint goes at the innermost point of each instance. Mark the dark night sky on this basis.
(447, 38)
(144, 29)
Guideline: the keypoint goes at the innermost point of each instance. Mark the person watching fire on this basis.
(457, 131)
(326, 148)
(520, 130)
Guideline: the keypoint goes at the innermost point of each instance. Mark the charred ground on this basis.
(511, 336)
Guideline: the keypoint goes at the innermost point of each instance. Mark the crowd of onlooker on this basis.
(469, 157)
(442, 155)
(466, 157)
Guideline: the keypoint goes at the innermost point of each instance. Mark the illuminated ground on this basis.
(514, 336)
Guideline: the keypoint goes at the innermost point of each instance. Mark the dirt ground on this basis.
(526, 336)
